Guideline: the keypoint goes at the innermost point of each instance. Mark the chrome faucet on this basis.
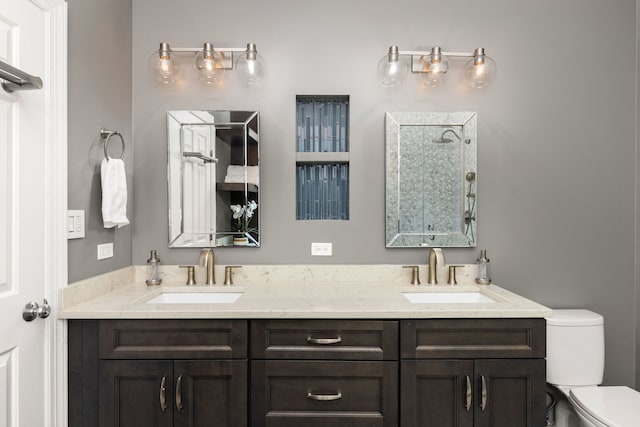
(207, 260)
(436, 257)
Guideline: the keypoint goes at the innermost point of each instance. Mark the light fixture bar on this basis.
(428, 52)
(417, 57)
(226, 54)
(208, 61)
(433, 65)
(216, 49)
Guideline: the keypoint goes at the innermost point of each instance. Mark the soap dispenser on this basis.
(153, 266)
(483, 276)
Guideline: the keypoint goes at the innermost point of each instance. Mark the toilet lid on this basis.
(613, 406)
(574, 317)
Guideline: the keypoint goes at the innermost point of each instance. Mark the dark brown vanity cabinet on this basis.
(307, 373)
(312, 373)
(481, 372)
(158, 373)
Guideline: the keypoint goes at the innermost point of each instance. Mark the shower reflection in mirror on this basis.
(431, 179)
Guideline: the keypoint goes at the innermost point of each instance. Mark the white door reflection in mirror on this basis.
(213, 164)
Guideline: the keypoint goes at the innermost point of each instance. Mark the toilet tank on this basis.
(575, 348)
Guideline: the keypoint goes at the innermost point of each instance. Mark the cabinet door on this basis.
(210, 393)
(436, 393)
(136, 393)
(514, 390)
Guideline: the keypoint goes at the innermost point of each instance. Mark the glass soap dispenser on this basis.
(483, 277)
(153, 266)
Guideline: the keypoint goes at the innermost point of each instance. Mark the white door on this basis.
(198, 185)
(29, 131)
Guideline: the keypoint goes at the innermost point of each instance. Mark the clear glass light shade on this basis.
(250, 66)
(392, 71)
(480, 71)
(209, 65)
(165, 68)
(434, 72)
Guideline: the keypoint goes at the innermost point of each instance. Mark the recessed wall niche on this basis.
(322, 157)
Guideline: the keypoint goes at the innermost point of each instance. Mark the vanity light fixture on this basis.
(434, 66)
(209, 61)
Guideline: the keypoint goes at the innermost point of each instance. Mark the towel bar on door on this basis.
(106, 134)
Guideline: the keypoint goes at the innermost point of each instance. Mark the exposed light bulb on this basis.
(166, 69)
(434, 68)
(480, 71)
(207, 63)
(392, 68)
(250, 66)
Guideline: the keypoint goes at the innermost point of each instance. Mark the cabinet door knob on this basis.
(179, 393)
(467, 405)
(163, 394)
(483, 401)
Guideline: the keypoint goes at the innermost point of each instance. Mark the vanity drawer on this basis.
(473, 338)
(324, 339)
(173, 339)
(314, 394)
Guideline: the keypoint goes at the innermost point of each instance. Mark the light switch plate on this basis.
(105, 251)
(75, 224)
(321, 249)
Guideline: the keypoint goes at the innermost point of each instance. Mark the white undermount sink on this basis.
(447, 297)
(196, 298)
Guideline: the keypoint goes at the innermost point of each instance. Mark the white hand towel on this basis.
(114, 193)
(235, 174)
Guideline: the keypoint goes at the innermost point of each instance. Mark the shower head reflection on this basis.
(444, 140)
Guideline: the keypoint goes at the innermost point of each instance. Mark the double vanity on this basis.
(303, 346)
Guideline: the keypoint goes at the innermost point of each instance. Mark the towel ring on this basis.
(106, 134)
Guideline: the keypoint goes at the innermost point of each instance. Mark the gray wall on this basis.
(99, 96)
(556, 140)
(637, 254)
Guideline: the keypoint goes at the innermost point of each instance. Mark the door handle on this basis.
(32, 310)
(179, 393)
(163, 394)
(483, 401)
(467, 405)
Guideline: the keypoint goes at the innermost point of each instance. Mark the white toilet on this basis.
(575, 366)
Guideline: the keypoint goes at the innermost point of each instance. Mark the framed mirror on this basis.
(213, 178)
(431, 179)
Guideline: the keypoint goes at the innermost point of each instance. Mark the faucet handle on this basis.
(452, 274)
(415, 273)
(190, 274)
(228, 274)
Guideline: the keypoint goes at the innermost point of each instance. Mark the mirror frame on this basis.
(229, 130)
(464, 234)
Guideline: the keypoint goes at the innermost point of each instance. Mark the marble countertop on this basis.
(123, 295)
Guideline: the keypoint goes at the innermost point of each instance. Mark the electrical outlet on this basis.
(105, 251)
(321, 249)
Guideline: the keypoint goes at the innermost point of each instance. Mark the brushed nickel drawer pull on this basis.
(483, 402)
(467, 405)
(163, 394)
(324, 341)
(324, 397)
(179, 393)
